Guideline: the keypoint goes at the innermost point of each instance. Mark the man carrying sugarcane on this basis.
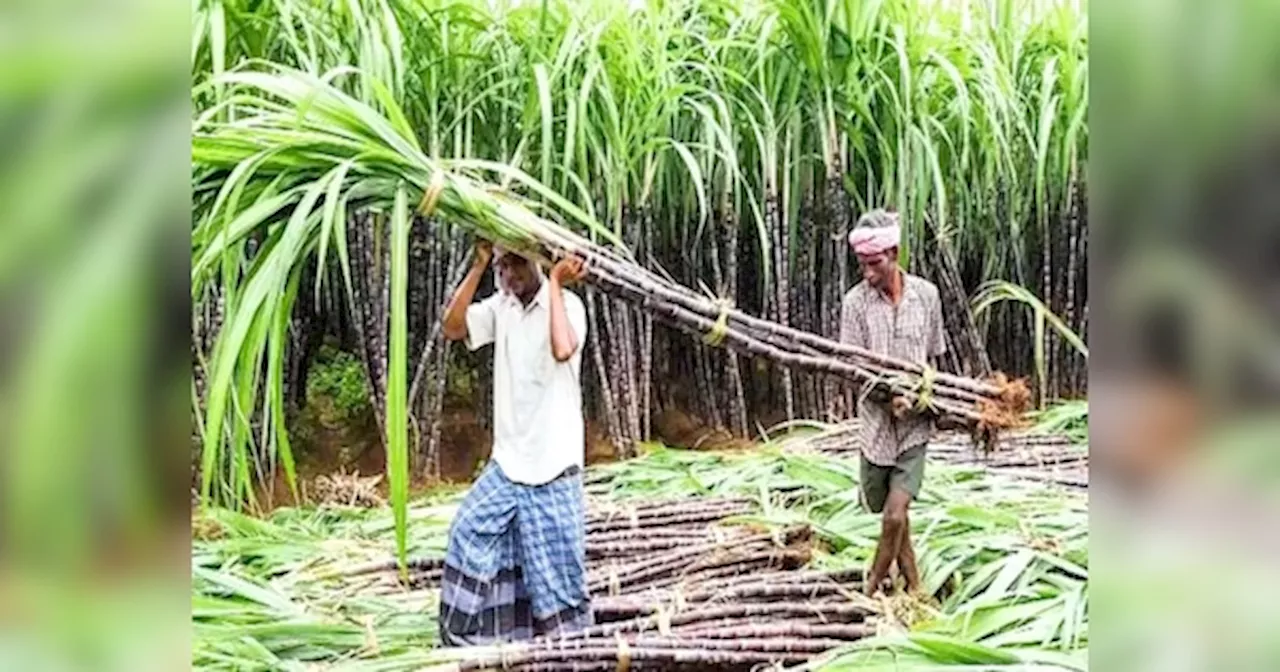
(516, 561)
(894, 313)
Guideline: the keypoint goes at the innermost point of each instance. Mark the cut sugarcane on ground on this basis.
(697, 561)
(1029, 454)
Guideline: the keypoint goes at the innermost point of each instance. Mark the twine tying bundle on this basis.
(718, 330)
(431, 196)
(615, 584)
(624, 653)
(664, 621)
(927, 377)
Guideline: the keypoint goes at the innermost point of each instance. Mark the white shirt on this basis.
(537, 401)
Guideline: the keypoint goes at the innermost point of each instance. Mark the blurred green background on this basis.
(94, 223)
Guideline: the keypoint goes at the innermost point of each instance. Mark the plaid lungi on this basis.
(516, 565)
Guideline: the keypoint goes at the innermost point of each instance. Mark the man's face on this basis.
(877, 269)
(516, 274)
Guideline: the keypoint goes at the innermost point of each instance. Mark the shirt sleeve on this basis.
(938, 334)
(482, 322)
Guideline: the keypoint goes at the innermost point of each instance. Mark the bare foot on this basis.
(882, 587)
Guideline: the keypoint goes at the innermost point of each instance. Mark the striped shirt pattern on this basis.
(912, 331)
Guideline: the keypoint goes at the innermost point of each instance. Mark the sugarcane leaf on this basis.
(959, 652)
(543, 84)
(981, 518)
(695, 175)
(249, 590)
(1012, 568)
(397, 363)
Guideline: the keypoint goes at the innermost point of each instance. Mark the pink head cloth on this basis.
(870, 241)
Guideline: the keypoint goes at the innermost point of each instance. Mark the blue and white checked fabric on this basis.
(516, 563)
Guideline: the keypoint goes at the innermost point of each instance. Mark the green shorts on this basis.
(905, 474)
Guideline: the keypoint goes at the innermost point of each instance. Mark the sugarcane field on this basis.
(639, 335)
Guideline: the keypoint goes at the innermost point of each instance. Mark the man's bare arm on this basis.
(563, 341)
(455, 315)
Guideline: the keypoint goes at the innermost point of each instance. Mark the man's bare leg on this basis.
(892, 525)
(907, 556)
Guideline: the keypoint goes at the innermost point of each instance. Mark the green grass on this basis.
(1070, 418)
(271, 594)
(339, 376)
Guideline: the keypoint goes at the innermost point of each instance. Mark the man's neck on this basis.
(893, 287)
(533, 294)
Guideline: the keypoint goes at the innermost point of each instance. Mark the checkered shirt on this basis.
(911, 331)
(516, 563)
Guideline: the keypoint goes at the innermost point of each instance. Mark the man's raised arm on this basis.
(564, 342)
(455, 315)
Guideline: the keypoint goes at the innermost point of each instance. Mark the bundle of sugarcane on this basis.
(674, 586)
(618, 533)
(983, 406)
(727, 650)
(732, 555)
(738, 623)
(810, 586)
(324, 143)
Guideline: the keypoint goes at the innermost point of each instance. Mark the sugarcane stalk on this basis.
(839, 613)
(630, 327)
(602, 377)
(646, 344)
(1073, 228)
(723, 397)
(728, 565)
(629, 606)
(617, 549)
(804, 629)
(612, 343)
(682, 533)
(811, 645)
(652, 520)
(799, 578)
(739, 402)
(739, 546)
(611, 651)
(736, 569)
(644, 509)
(653, 568)
(784, 276)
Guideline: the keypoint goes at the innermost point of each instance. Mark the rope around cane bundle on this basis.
(925, 401)
(431, 196)
(624, 652)
(715, 337)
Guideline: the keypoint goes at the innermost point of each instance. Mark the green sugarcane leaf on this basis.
(397, 372)
(959, 652)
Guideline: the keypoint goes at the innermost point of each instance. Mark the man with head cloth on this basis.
(516, 561)
(898, 314)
